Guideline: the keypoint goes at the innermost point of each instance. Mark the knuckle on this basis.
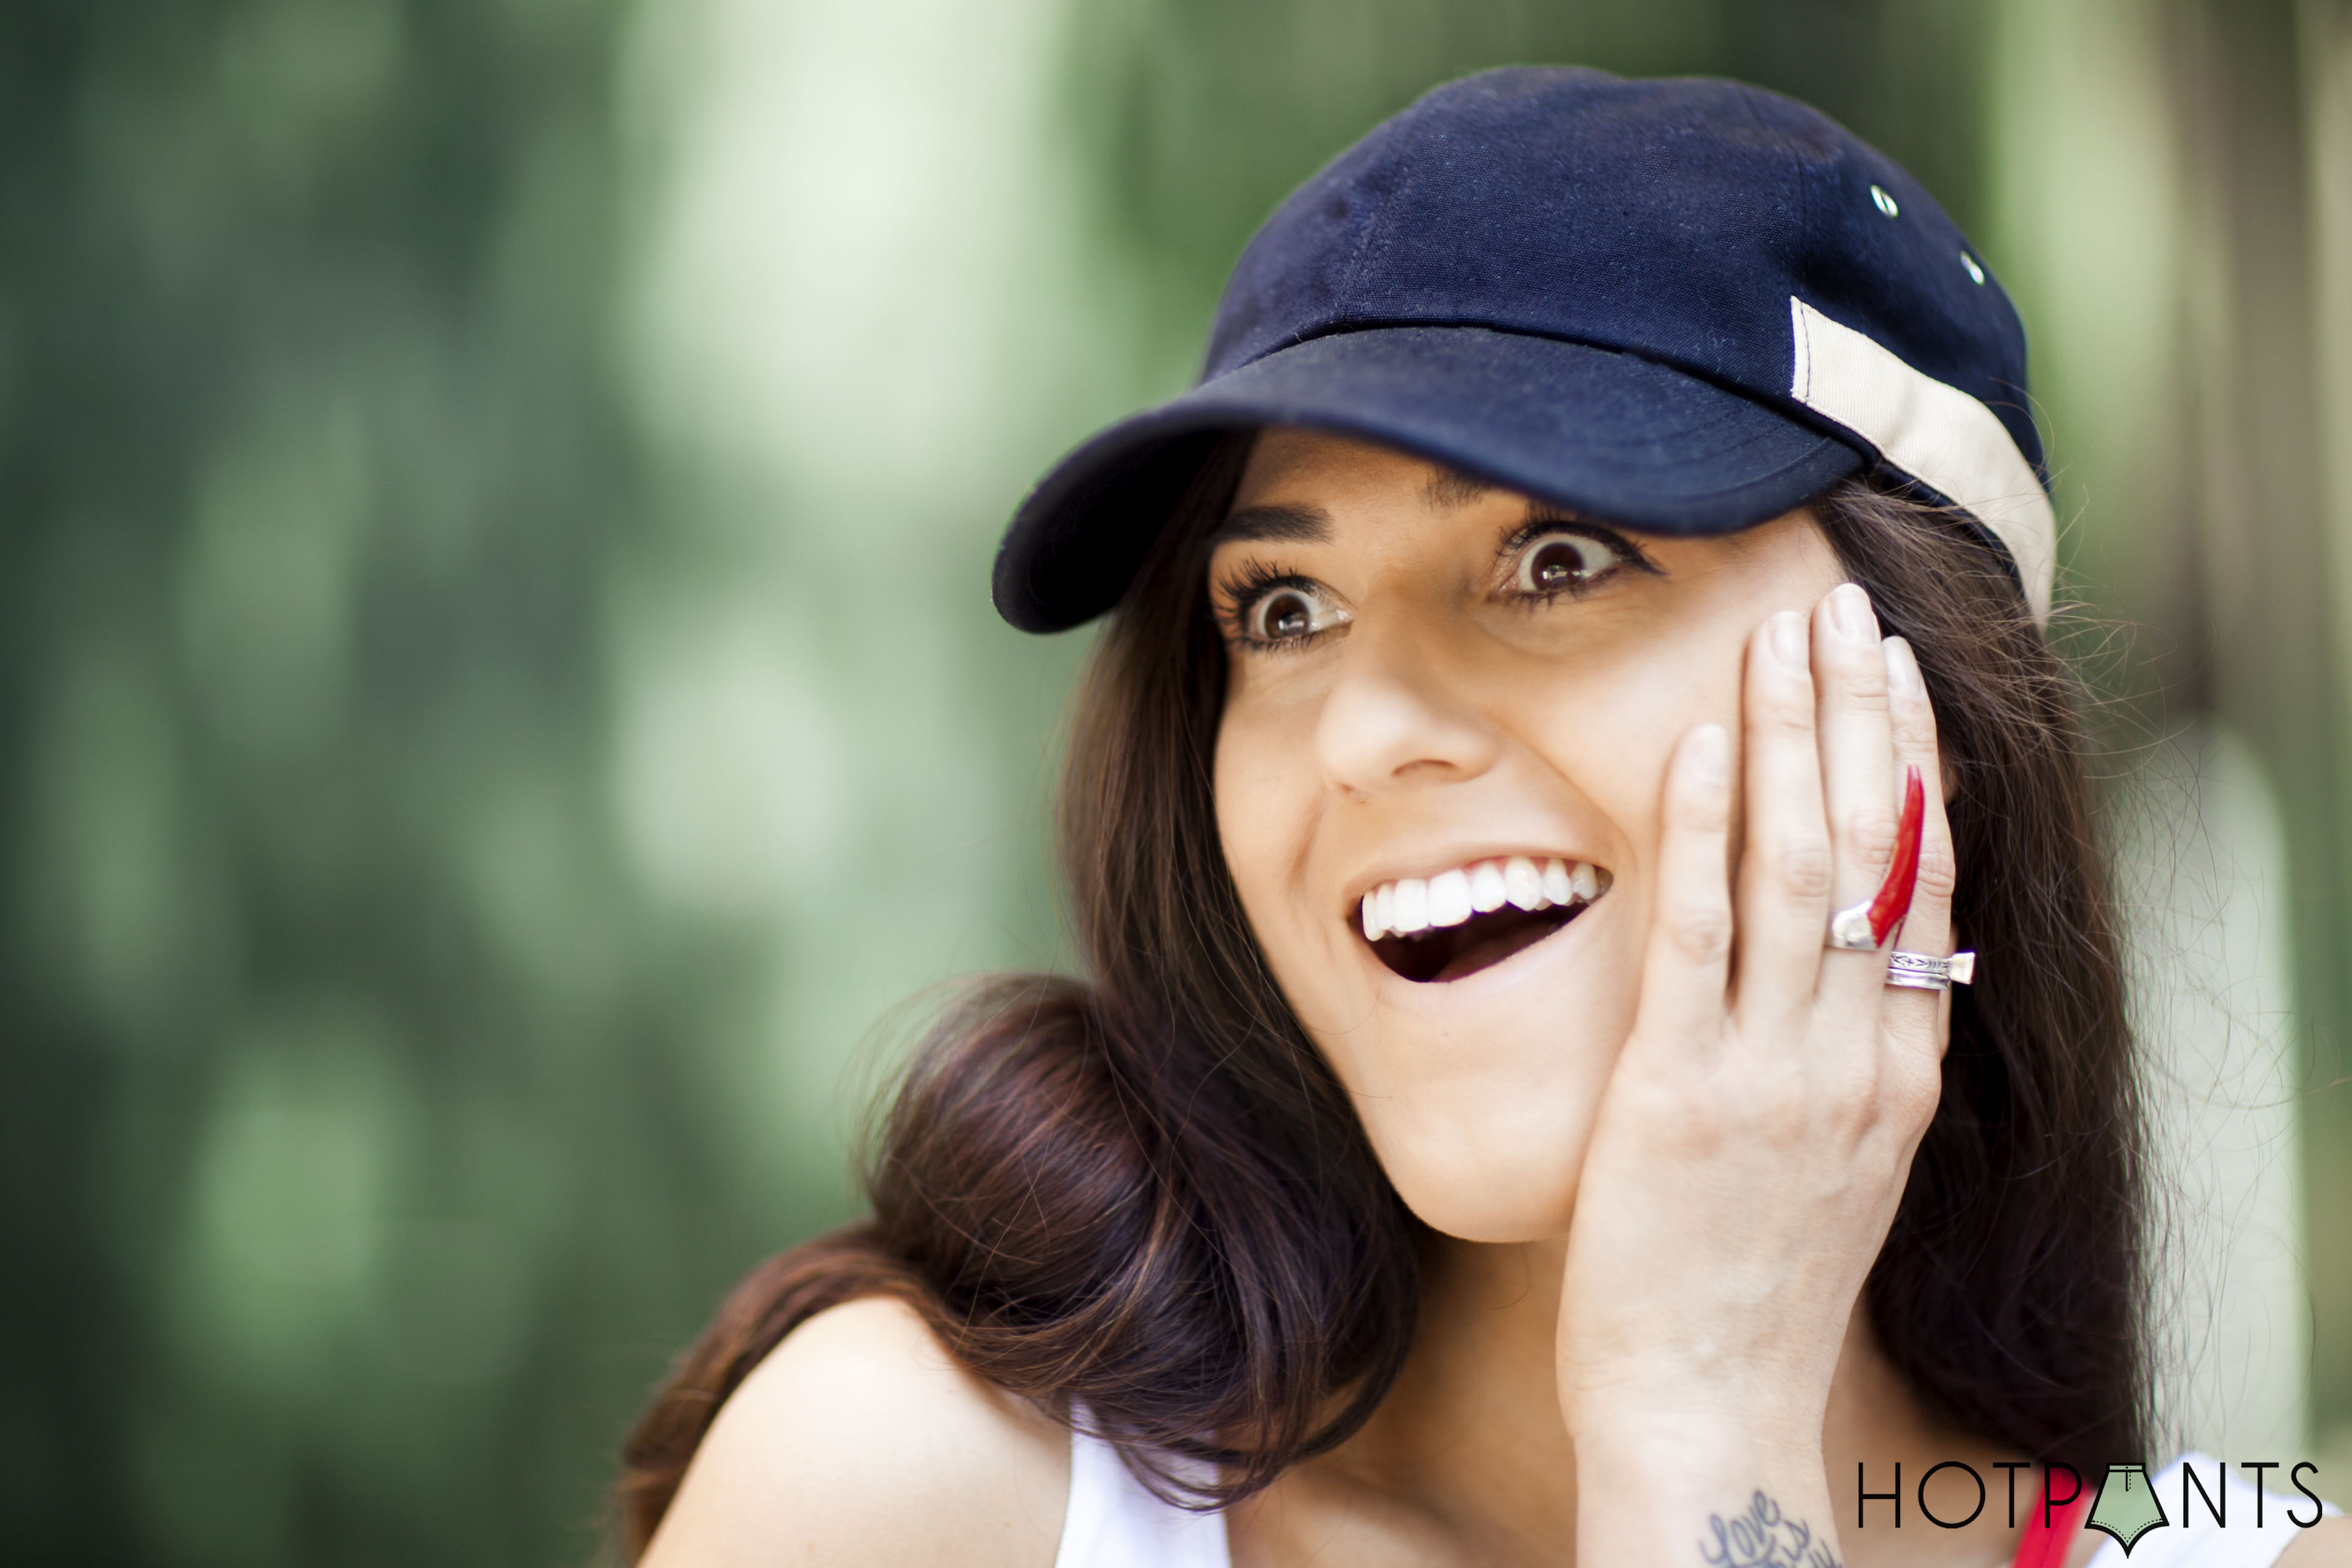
(1914, 722)
(1868, 836)
(1779, 1102)
(1705, 814)
(1850, 1099)
(1700, 1137)
(1939, 872)
(1701, 933)
(1788, 712)
(1804, 865)
(1861, 679)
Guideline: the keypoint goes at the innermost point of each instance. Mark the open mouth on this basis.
(1460, 921)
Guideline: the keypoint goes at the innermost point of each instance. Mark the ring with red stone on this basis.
(1864, 927)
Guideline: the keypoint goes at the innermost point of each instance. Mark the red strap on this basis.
(2047, 1546)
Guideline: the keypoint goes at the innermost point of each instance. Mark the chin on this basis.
(1463, 1218)
(1481, 1181)
(1479, 1095)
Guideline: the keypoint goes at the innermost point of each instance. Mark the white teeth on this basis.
(1449, 899)
(1413, 904)
(1522, 883)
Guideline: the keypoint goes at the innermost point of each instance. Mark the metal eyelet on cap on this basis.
(1975, 273)
(1883, 202)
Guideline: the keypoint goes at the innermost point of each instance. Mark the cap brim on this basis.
(1611, 436)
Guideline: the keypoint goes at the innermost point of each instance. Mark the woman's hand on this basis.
(1761, 1120)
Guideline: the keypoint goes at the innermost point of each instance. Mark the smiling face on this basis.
(1460, 706)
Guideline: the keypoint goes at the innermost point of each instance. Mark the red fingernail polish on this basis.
(1894, 900)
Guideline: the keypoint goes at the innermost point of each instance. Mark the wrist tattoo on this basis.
(1763, 1537)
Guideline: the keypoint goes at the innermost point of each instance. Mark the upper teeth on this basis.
(1413, 904)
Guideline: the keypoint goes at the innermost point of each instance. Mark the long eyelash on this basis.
(1526, 532)
(1232, 595)
(1535, 527)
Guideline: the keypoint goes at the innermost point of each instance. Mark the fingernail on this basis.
(1850, 613)
(1711, 754)
(1788, 638)
(1903, 670)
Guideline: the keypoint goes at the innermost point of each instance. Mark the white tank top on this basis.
(1115, 1522)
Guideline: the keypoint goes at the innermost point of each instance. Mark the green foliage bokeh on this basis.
(397, 1057)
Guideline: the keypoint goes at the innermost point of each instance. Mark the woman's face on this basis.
(1437, 691)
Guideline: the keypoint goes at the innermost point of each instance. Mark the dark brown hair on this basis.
(1143, 1196)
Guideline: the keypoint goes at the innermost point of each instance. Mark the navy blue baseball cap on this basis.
(1683, 306)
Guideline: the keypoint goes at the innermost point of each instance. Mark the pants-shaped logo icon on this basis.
(2127, 1508)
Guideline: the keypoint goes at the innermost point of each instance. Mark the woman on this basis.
(1576, 676)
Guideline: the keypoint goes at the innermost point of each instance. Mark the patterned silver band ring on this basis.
(1922, 971)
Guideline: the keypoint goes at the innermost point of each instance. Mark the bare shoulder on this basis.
(859, 1440)
(2327, 1544)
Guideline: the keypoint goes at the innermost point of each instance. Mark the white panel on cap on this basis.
(1934, 432)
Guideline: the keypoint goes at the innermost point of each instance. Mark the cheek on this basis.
(1481, 1124)
(1614, 735)
(1267, 794)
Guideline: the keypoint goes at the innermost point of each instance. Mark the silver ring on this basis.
(1922, 972)
(1850, 930)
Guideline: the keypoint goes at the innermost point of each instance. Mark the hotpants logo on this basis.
(2126, 1507)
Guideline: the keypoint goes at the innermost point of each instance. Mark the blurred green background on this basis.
(499, 703)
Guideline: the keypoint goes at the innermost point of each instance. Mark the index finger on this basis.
(1686, 965)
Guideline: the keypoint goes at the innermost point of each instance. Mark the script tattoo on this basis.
(1764, 1538)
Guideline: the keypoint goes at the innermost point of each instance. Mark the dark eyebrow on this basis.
(1285, 524)
(1451, 488)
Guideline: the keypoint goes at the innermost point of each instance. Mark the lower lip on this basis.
(1529, 962)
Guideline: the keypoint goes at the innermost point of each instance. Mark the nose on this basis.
(1390, 718)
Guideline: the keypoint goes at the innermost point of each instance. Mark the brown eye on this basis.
(1289, 614)
(1563, 563)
